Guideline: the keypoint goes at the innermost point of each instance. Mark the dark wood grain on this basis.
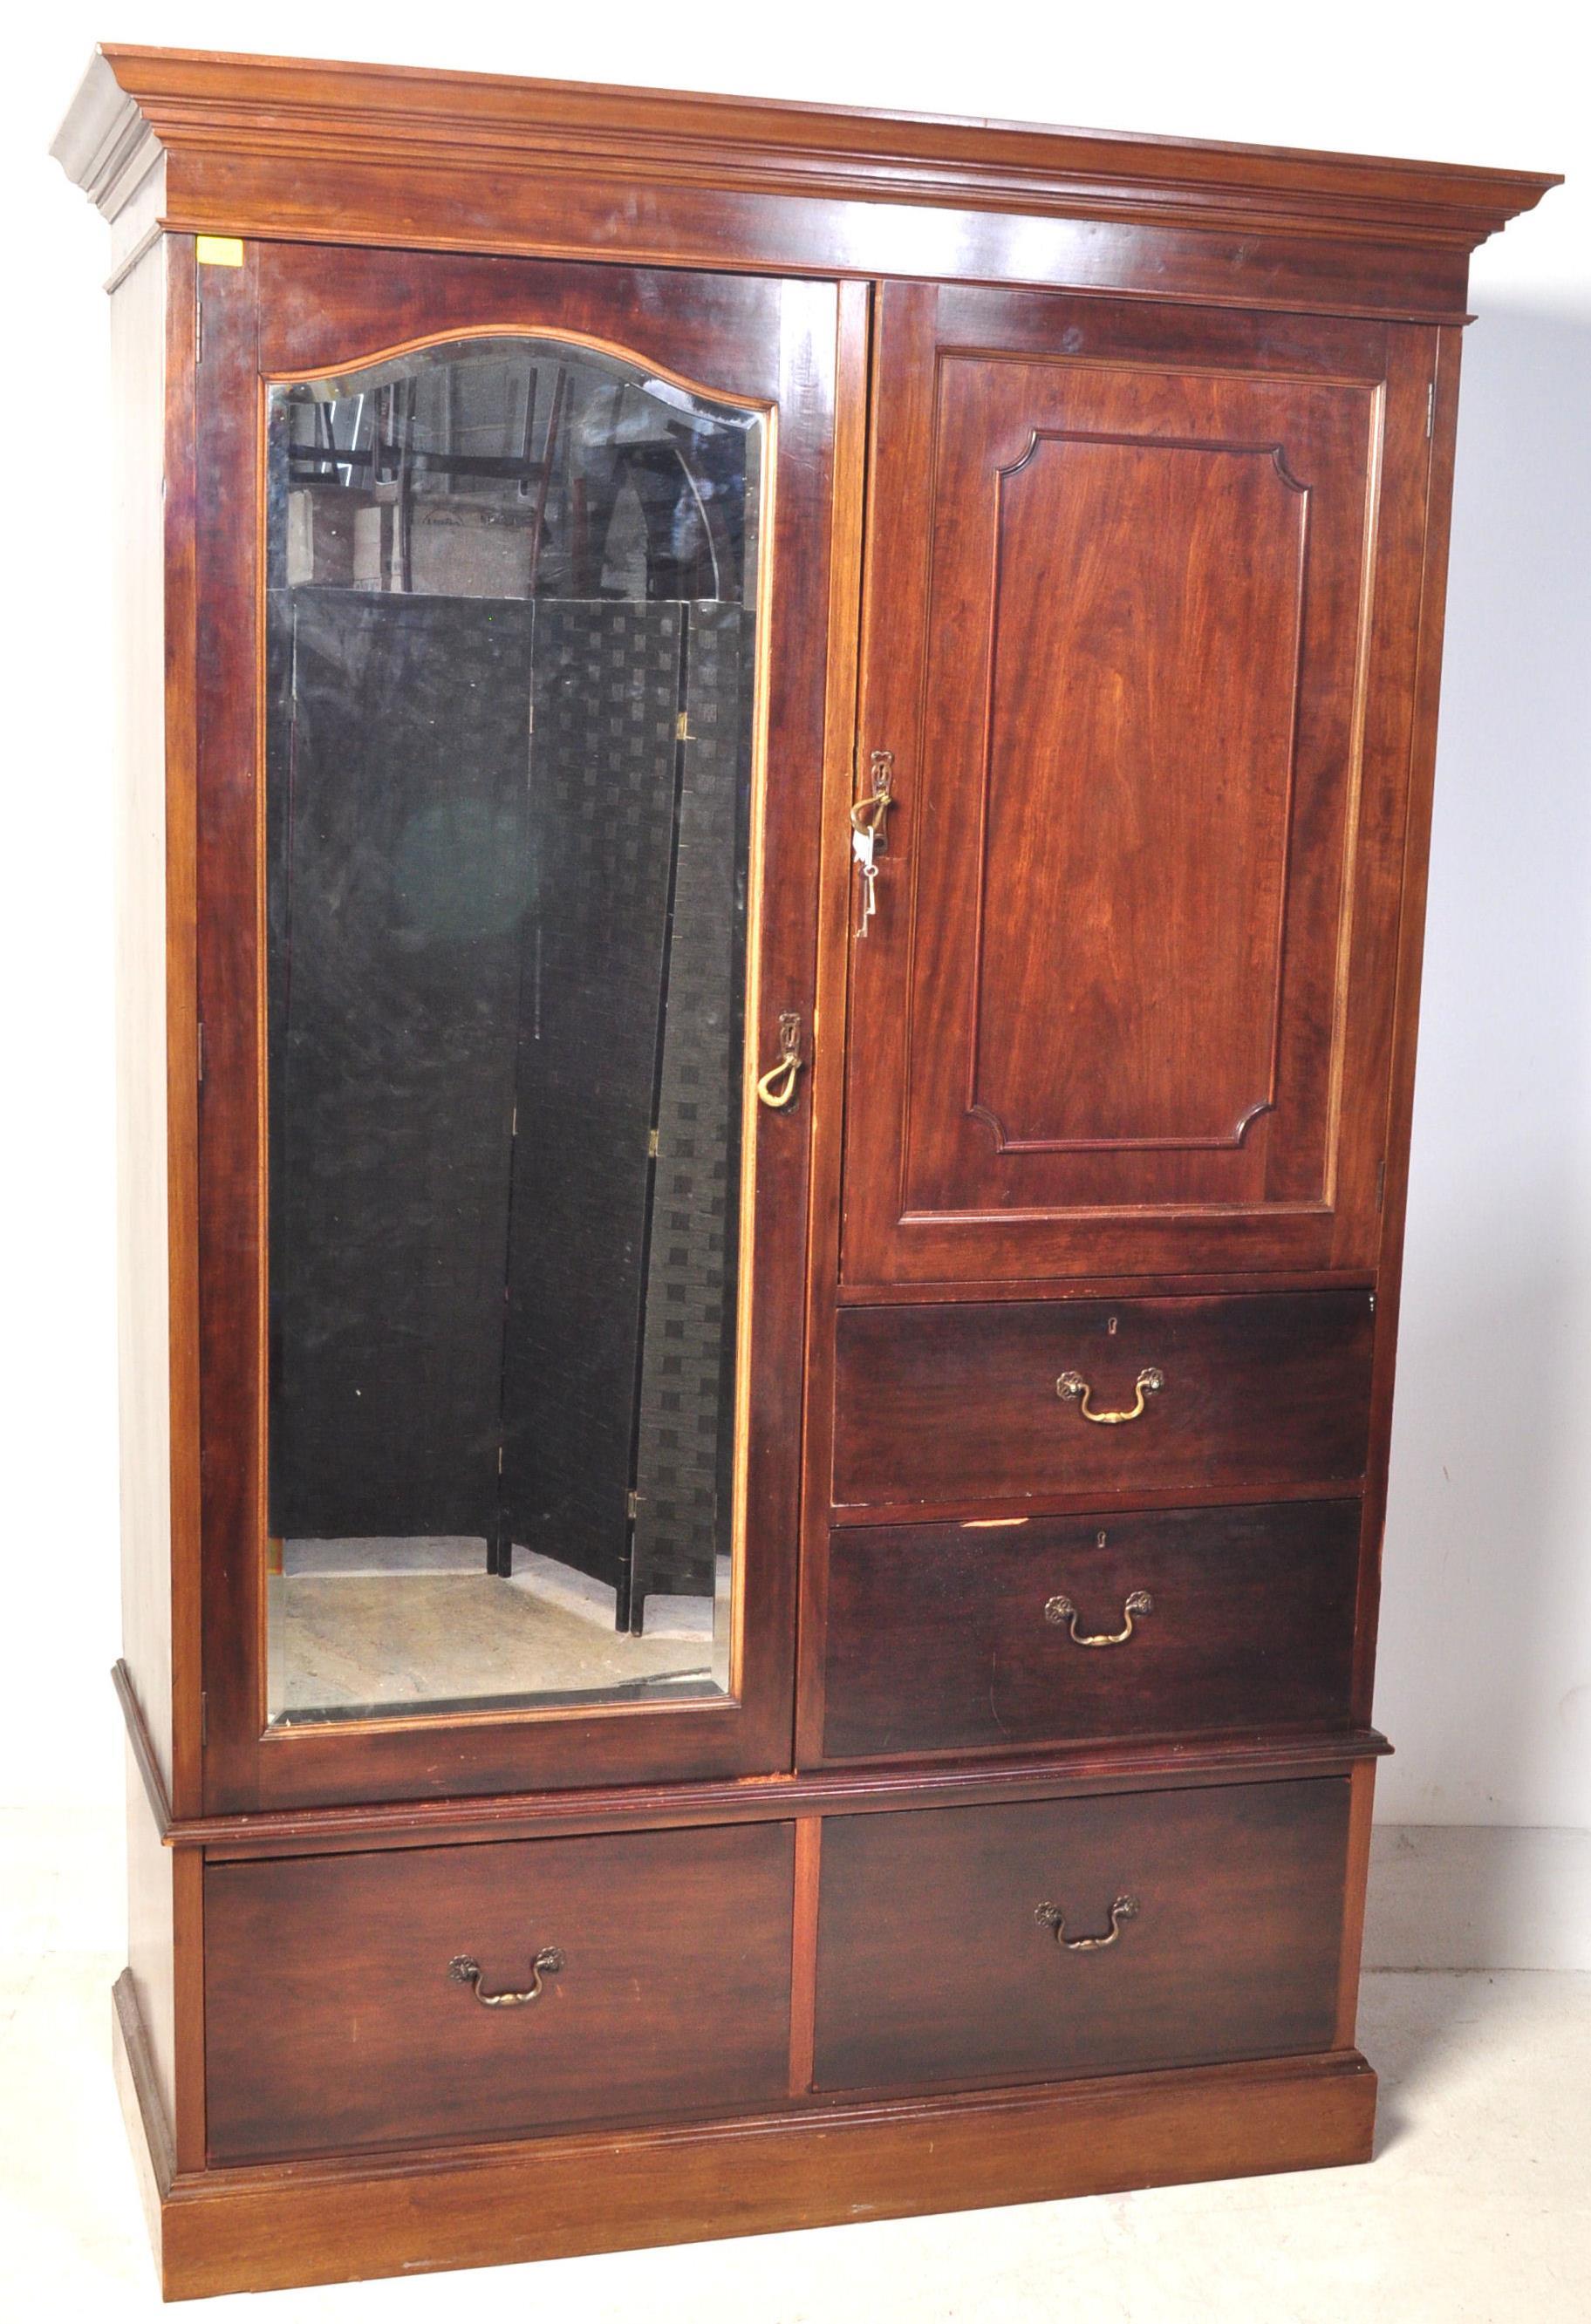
(939, 1637)
(960, 1403)
(1128, 922)
(1106, 1286)
(367, 153)
(931, 1965)
(332, 2023)
(1121, 586)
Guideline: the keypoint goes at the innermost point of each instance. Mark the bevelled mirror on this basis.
(511, 588)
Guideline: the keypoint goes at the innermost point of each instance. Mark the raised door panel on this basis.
(1145, 635)
(1123, 1001)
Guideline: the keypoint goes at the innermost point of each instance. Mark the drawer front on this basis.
(333, 2021)
(967, 1638)
(960, 1405)
(933, 1965)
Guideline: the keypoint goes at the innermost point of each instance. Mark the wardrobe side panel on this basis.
(151, 1940)
(137, 324)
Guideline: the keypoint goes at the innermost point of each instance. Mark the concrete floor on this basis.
(1478, 2210)
(362, 1627)
(353, 1647)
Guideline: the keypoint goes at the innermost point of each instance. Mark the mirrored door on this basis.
(512, 607)
(529, 545)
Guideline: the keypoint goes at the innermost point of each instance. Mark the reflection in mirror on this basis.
(512, 595)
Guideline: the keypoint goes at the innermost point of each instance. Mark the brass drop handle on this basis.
(1061, 1610)
(1072, 1384)
(777, 1086)
(1052, 1917)
(466, 1971)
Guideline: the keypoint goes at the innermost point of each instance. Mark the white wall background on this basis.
(1486, 1634)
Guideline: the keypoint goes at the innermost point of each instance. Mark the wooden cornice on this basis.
(295, 111)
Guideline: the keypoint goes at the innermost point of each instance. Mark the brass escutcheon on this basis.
(871, 812)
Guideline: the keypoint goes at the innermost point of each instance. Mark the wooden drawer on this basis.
(331, 2019)
(934, 1967)
(960, 1405)
(956, 1638)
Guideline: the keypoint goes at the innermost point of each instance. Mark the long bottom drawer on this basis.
(358, 2000)
(998, 1944)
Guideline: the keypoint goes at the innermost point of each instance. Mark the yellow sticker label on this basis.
(217, 250)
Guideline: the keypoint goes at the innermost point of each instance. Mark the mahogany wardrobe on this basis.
(773, 825)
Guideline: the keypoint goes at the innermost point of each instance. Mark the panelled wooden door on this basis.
(289, 313)
(1141, 579)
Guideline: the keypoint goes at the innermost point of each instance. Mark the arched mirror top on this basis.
(515, 466)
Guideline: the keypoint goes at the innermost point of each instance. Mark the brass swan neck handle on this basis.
(465, 1970)
(1071, 1387)
(1052, 1917)
(1060, 1608)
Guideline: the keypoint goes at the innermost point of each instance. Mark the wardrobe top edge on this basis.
(193, 102)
